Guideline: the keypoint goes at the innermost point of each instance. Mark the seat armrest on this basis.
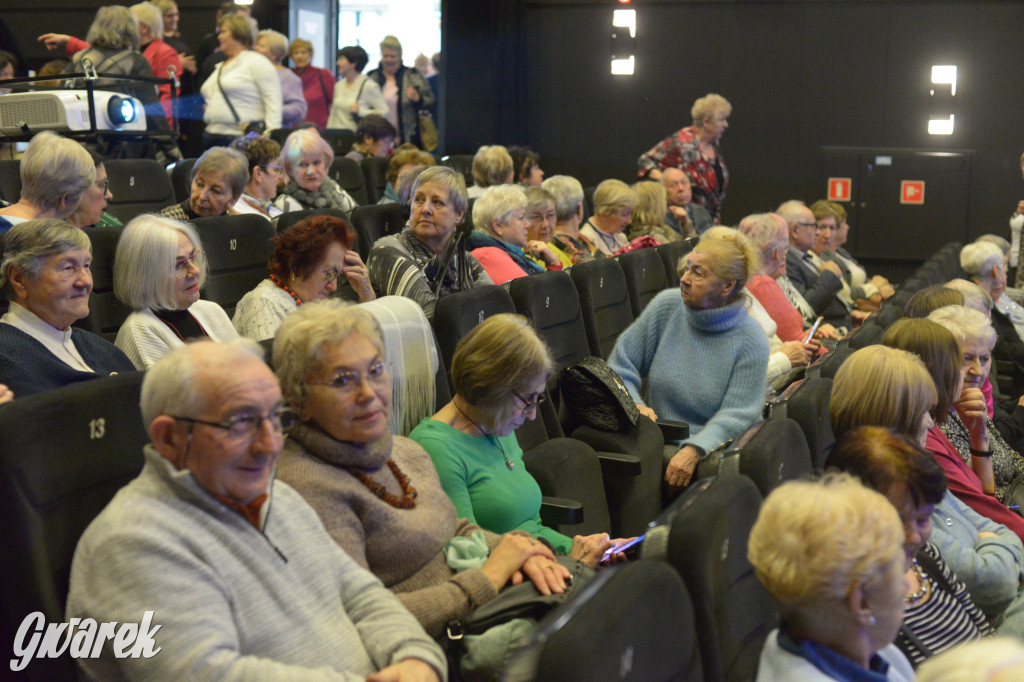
(673, 431)
(560, 511)
(618, 464)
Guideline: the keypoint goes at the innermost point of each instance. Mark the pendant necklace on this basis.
(508, 463)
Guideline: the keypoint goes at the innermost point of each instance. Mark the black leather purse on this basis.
(596, 396)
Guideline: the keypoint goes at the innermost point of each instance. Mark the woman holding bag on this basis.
(243, 93)
(355, 95)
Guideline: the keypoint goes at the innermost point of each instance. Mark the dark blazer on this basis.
(819, 289)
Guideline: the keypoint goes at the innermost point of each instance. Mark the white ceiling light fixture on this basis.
(622, 61)
(941, 126)
(945, 75)
(626, 18)
(622, 67)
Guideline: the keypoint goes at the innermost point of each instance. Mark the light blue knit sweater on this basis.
(703, 367)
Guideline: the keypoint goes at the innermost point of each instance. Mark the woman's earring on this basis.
(872, 620)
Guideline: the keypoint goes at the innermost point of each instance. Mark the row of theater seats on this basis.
(71, 472)
(144, 186)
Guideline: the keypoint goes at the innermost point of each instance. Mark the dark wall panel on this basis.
(800, 75)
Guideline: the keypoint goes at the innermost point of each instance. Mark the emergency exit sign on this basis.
(839, 189)
(912, 192)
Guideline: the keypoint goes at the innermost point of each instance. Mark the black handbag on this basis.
(520, 601)
(596, 396)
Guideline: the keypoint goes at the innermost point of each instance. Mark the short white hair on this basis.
(144, 261)
(792, 211)
(497, 205)
(978, 258)
(568, 194)
(277, 42)
(171, 385)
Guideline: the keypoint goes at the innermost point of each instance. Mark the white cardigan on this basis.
(261, 311)
(145, 339)
(371, 101)
(251, 82)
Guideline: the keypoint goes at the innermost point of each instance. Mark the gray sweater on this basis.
(234, 603)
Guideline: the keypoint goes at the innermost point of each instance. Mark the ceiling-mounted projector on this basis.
(68, 111)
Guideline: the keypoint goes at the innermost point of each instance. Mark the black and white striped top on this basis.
(947, 618)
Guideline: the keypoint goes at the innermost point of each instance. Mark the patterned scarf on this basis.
(479, 239)
(330, 195)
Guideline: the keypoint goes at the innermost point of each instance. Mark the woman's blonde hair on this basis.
(709, 106)
(881, 386)
(651, 205)
(499, 356)
(733, 256)
(306, 336)
(498, 204)
(612, 197)
(492, 165)
(814, 540)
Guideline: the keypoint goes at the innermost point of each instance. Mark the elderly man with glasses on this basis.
(235, 567)
(820, 282)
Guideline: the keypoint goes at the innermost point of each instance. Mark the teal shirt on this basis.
(482, 488)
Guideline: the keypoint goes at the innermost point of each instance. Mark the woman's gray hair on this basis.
(306, 336)
(171, 385)
(232, 163)
(765, 231)
(450, 178)
(278, 43)
(305, 141)
(568, 194)
(27, 245)
(114, 28)
(144, 261)
(52, 167)
(978, 258)
(974, 296)
(149, 14)
(1001, 242)
(498, 204)
(966, 324)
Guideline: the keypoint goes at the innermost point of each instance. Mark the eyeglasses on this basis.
(541, 217)
(277, 169)
(347, 383)
(106, 184)
(245, 425)
(811, 225)
(181, 266)
(331, 274)
(530, 404)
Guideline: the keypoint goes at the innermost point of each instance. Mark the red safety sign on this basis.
(912, 192)
(839, 189)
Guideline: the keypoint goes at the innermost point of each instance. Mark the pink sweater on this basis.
(770, 295)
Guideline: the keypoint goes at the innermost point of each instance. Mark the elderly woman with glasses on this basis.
(377, 494)
(47, 280)
(158, 270)
(310, 260)
(500, 371)
(266, 174)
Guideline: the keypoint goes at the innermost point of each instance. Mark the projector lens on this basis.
(121, 110)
